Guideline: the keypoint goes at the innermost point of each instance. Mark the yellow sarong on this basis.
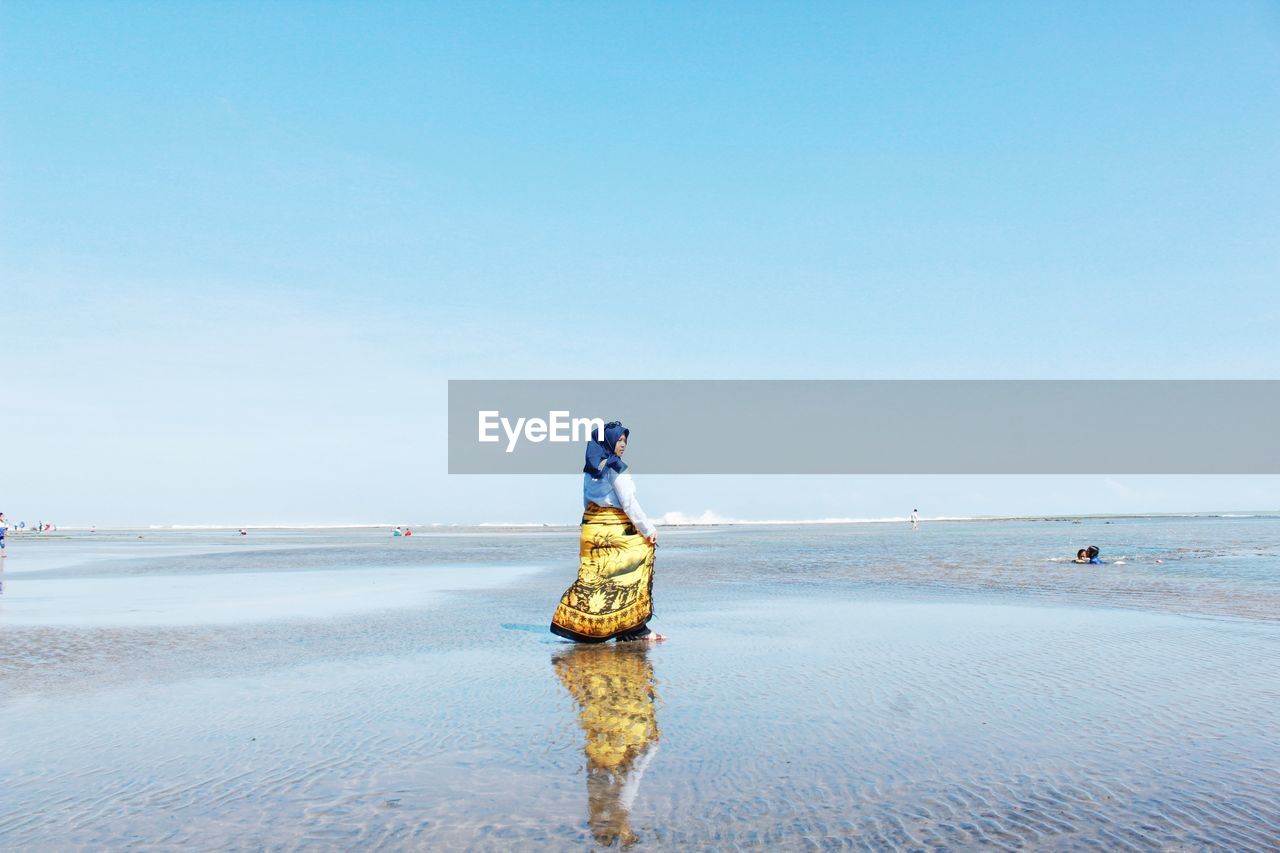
(614, 590)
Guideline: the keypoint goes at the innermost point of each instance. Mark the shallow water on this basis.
(861, 685)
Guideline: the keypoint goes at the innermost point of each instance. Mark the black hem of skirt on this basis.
(637, 633)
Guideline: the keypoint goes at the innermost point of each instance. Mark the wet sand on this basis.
(816, 692)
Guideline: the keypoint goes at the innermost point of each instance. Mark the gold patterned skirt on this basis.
(613, 594)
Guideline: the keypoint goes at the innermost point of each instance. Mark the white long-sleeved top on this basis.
(617, 490)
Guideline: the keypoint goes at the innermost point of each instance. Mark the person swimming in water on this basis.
(1089, 556)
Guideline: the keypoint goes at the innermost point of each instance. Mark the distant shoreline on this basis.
(661, 522)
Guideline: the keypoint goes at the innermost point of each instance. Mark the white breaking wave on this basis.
(710, 517)
(511, 524)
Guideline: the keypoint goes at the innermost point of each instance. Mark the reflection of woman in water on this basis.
(613, 595)
(613, 687)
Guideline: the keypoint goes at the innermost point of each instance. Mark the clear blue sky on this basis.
(244, 245)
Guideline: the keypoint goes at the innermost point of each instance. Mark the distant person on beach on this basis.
(408, 532)
(915, 519)
(4, 529)
(613, 595)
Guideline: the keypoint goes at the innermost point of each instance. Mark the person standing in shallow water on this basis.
(612, 599)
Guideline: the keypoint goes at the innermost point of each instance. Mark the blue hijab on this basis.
(600, 450)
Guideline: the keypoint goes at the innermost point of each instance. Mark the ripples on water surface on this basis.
(856, 686)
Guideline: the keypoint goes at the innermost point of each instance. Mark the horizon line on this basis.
(673, 519)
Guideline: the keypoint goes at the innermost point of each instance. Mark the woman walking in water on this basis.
(613, 595)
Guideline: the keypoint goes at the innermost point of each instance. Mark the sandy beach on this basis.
(857, 685)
